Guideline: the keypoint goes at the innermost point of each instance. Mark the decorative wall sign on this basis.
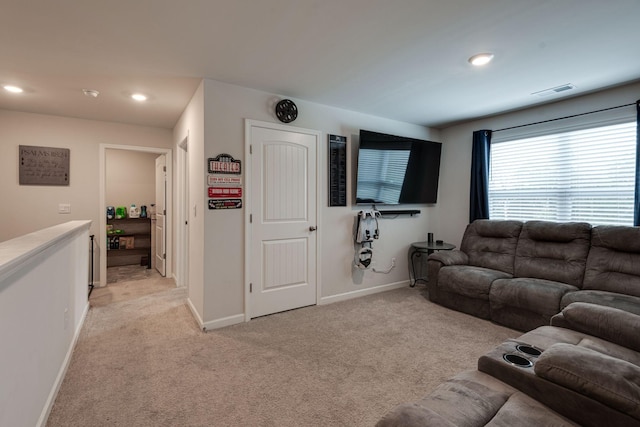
(224, 180)
(224, 163)
(337, 170)
(224, 192)
(43, 165)
(225, 203)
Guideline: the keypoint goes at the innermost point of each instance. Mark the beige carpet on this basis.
(142, 282)
(144, 362)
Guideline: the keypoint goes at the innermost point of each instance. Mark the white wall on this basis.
(225, 109)
(28, 208)
(192, 126)
(43, 283)
(130, 178)
(452, 212)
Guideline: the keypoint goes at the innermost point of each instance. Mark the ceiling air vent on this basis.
(554, 90)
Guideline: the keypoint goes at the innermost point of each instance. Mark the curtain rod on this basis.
(567, 117)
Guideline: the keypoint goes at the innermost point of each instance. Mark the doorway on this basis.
(282, 243)
(104, 242)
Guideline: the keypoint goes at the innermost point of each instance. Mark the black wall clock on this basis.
(286, 111)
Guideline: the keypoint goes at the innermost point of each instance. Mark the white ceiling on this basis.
(401, 59)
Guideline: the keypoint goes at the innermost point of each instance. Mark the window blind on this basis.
(586, 175)
(381, 174)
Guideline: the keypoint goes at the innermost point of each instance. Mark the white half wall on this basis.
(43, 289)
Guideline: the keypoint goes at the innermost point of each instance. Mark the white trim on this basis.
(46, 411)
(248, 237)
(221, 323)
(182, 212)
(362, 292)
(100, 237)
(195, 313)
(248, 124)
(214, 324)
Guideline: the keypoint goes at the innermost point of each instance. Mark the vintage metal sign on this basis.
(225, 203)
(224, 180)
(224, 163)
(225, 192)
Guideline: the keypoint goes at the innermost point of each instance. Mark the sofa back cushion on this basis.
(491, 243)
(553, 251)
(613, 264)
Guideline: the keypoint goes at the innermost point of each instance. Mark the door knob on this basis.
(313, 228)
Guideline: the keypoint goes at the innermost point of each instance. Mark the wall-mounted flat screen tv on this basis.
(396, 170)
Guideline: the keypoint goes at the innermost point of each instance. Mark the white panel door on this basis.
(283, 210)
(161, 211)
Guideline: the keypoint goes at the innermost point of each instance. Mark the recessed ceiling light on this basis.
(91, 93)
(139, 97)
(14, 89)
(481, 59)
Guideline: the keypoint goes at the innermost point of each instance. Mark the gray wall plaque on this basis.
(43, 165)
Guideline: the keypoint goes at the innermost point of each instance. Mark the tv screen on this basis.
(396, 170)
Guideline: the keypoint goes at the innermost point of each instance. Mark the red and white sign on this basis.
(224, 192)
(224, 167)
(224, 163)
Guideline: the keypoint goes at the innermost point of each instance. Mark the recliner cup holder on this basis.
(517, 360)
(529, 350)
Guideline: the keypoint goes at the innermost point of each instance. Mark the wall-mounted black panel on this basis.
(337, 170)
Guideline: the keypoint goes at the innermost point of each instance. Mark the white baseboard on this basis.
(214, 324)
(225, 321)
(195, 313)
(62, 372)
(362, 292)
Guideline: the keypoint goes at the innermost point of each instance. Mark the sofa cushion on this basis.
(413, 415)
(553, 251)
(611, 324)
(611, 299)
(468, 280)
(491, 243)
(613, 263)
(581, 369)
(536, 295)
(522, 410)
(473, 399)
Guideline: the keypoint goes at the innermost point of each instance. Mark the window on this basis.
(586, 175)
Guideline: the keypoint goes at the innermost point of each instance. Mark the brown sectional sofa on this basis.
(583, 370)
(520, 274)
(576, 289)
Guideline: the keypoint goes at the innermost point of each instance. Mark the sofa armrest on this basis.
(454, 257)
(611, 381)
(442, 259)
(610, 324)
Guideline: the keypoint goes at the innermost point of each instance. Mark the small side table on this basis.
(419, 248)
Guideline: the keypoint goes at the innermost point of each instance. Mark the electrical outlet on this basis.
(64, 208)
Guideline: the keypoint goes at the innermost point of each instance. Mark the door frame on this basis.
(182, 212)
(103, 204)
(248, 237)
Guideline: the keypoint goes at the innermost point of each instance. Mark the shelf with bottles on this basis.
(128, 241)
